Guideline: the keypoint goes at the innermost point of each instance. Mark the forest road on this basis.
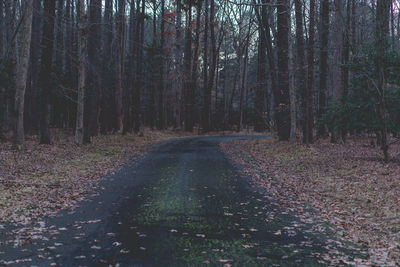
(183, 204)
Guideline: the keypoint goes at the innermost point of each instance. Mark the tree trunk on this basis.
(188, 83)
(301, 70)
(2, 29)
(178, 64)
(382, 44)
(120, 63)
(337, 81)
(261, 83)
(45, 73)
(79, 130)
(2, 89)
(132, 47)
(107, 110)
(323, 68)
(139, 68)
(207, 93)
(31, 96)
(161, 107)
(282, 97)
(22, 74)
(59, 35)
(214, 56)
(243, 81)
(91, 114)
(346, 51)
(309, 123)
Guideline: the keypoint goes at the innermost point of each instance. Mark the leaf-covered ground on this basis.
(348, 185)
(43, 179)
(183, 204)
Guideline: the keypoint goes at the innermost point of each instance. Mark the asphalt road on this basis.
(183, 204)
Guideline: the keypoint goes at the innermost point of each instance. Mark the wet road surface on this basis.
(183, 204)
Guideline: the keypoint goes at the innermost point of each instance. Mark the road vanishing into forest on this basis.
(183, 204)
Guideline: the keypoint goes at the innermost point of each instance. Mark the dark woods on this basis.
(97, 67)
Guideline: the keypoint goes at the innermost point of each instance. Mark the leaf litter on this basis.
(347, 184)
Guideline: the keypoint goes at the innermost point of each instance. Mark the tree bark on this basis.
(46, 67)
(31, 96)
(382, 44)
(282, 97)
(2, 89)
(139, 67)
(323, 68)
(301, 68)
(79, 130)
(188, 82)
(22, 74)
(161, 106)
(309, 123)
(120, 63)
(91, 114)
(59, 36)
(132, 47)
(261, 82)
(214, 56)
(107, 110)
(178, 64)
(337, 81)
(207, 92)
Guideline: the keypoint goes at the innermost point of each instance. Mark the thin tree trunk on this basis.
(2, 31)
(188, 83)
(323, 68)
(46, 70)
(31, 96)
(337, 82)
(243, 84)
(261, 83)
(161, 111)
(59, 35)
(214, 56)
(79, 130)
(132, 47)
(22, 74)
(91, 116)
(107, 111)
(309, 123)
(282, 98)
(120, 63)
(178, 65)
(2, 89)
(301, 70)
(270, 51)
(382, 42)
(207, 93)
(139, 68)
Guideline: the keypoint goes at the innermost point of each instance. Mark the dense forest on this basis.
(301, 68)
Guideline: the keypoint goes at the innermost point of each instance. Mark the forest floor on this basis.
(348, 185)
(43, 179)
(182, 204)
